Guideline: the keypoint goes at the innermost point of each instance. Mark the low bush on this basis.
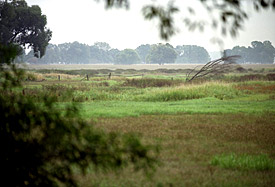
(41, 146)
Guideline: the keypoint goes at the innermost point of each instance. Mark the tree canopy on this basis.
(143, 50)
(258, 52)
(74, 53)
(226, 15)
(192, 54)
(41, 146)
(161, 54)
(24, 26)
(127, 56)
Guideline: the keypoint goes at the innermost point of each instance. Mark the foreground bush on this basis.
(40, 145)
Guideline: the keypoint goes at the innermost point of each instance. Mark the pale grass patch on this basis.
(220, 90)
(41, 76)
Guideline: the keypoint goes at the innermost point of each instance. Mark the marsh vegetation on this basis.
(214, 131)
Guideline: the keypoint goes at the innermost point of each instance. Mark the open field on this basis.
(211, 132)
(134, 66)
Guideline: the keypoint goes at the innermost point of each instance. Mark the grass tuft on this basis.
(186, 92)
(244, 162)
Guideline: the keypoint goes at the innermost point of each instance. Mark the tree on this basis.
(113, 53)
(226, 15)
(41, 146)
(162, 54)
(101, 54)
(127, 56)
(102, 45)
(192, 54)
(259, 52)
(143, 51)
(74, 53)
(24, 26)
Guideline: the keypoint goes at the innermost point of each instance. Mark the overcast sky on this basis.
(87, 21)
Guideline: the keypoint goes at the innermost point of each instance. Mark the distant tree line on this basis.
(258, 52)
(101, 52)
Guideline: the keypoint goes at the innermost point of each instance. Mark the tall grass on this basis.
(151, 82)
(186, 92)
(244, 162)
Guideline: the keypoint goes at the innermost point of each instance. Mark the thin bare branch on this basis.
(217, 66)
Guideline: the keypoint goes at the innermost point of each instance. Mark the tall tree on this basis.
(127, 56)
(143, 51)
(192, 54)
(258, 52)
(162, 54)
(40, 146)
(24, 26)
(102, 45)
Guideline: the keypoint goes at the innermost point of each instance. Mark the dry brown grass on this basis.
(52, 76)
(257, 88)
(189, 142)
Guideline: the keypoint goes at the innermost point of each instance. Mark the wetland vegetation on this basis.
(215, 131)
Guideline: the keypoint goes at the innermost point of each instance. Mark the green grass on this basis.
(186, 92)
(193, 123)
(244, 162)
(201, 106)
(188, 142)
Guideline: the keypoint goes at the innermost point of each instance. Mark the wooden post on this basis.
(87, 77)
(59, 77)
(110, 74)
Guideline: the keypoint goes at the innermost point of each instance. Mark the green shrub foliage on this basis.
(42, 146)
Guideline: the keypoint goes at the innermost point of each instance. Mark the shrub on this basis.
(40, 146)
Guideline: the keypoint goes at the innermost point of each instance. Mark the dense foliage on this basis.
(74, 53)
(24, 25)
(258, 52)
(226, 15)
(161, 54)
(77, 53)
(40, 145)
(192, 54)
(143, 51)
(101, 52)
(127, 56)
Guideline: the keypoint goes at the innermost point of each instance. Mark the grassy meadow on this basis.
(215, 131)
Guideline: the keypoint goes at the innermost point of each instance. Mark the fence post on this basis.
(87, 77)
(59, 77)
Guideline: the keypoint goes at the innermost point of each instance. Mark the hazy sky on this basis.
(87, 21)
